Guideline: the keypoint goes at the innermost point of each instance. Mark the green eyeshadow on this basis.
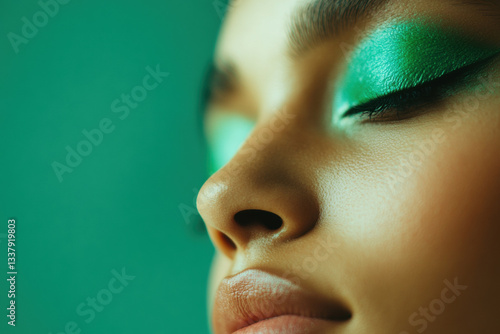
(403, 55)
(225, 135)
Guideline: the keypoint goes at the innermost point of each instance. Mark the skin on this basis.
(409, 205)
(403, 55)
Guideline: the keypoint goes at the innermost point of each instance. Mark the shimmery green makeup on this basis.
(403, 55)
(225, 136)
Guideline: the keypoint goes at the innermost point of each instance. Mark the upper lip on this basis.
(254, 295)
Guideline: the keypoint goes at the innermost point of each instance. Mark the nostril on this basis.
(227, 240)
(258, 217)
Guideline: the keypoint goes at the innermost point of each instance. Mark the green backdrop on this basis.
(100, 161)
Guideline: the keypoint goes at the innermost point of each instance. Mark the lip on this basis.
(255, 301)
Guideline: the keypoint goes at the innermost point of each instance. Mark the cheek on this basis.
(439, 221)
(452, 199)
(443, 189)
(456, 216)
(461, 192)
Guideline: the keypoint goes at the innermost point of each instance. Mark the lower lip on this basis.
(289, 324)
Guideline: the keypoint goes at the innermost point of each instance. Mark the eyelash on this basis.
(408, 102)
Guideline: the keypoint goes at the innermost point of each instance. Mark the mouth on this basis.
(254, 301)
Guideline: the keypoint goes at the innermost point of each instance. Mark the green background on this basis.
(120, 207)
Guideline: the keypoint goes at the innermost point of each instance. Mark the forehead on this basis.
(251, 25)
(254, 38)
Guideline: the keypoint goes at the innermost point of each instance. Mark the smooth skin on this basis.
(408, 211)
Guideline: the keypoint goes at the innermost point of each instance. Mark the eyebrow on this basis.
(321, 20)
(312, 24)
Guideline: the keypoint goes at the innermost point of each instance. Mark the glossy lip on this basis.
(254, 300)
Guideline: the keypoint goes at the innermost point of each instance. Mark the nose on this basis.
(263, 196)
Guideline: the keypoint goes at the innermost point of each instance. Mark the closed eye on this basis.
(411, 102)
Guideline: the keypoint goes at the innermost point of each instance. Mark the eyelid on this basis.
(429, 92)
(401, 55)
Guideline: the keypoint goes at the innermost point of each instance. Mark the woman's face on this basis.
(356, 153)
